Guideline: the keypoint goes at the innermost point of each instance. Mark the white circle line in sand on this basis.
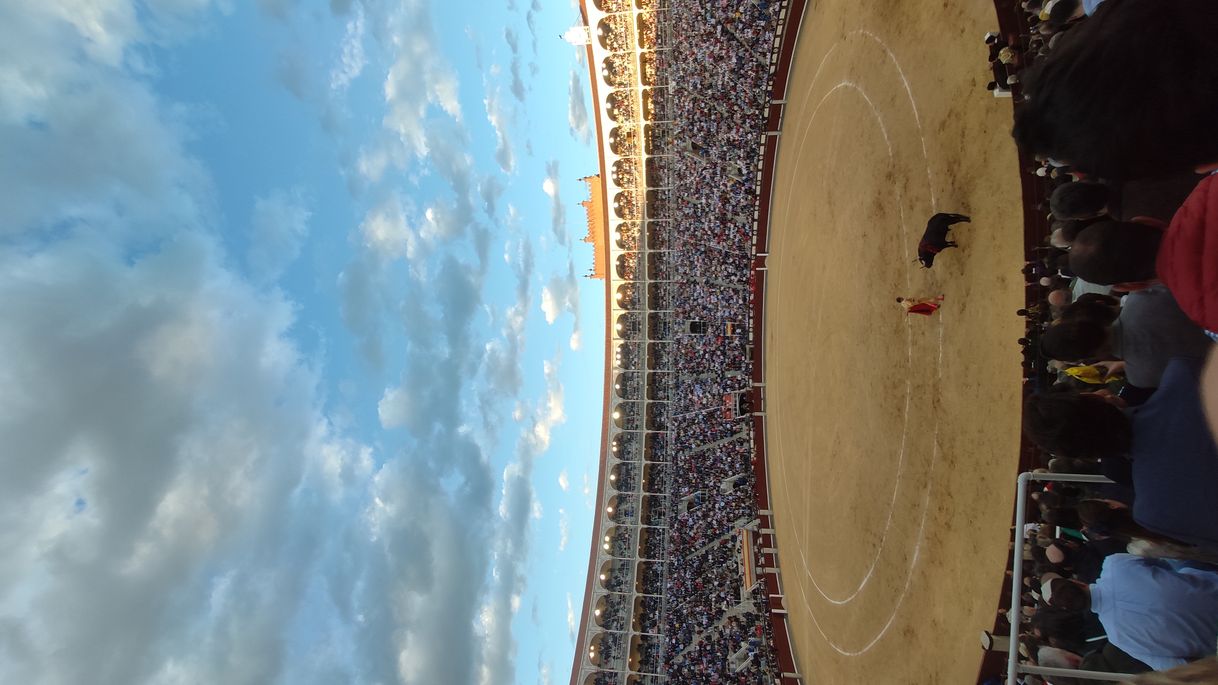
(901, 460)
(926, 500)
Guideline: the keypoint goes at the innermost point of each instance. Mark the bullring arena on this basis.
(892, 438)
(803, 482)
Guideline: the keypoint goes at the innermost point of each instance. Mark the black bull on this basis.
(934, 238)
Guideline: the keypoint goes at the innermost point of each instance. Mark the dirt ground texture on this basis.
(893, 439)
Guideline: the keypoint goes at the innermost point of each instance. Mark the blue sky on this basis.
(302, 378)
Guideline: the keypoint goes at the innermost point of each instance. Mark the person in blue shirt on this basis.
(1161, 612)
(1163, 448)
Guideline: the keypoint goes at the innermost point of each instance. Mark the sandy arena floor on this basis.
(892, 439)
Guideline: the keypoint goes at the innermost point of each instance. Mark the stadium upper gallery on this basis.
(803, 482)
(906, 373)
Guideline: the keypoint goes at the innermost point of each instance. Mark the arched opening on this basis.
(629, 326)
(627, 415)
(624, 477)
(622, 106)
(629, 355)
(613, 32)
(624, 140)
(614, 575)
(627, 296)
(626, 172)
(627, 265)
(625, 446)
(657, 416)
(623, 509)
(656, 444)
(609, 612)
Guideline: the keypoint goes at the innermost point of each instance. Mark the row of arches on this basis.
(634, 385)
(629, 140)
(617, 33)
(621, 678)
(629, 356)
(625, 446)
(626, 652)
(621, 104)
(611, 6)
(627, 612)
(633, 415)
(633, 477)
(630, 508)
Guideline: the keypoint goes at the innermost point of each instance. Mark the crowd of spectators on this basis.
(714, 628)
(1114, 100)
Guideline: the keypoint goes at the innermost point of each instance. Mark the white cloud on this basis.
(192, 514)
(503, 146)
(385, 232)
(84, 138)
(418, 79)
(577, 109)
(183, 450)
(502, 360)
(351, 59)
(558, 214)
(561, 294)
(564, 530)
(278, 227)
(564, 481)
(586, 491)
(517, 506)
(551, 413)
(550, 305)
(513, 42)
(571, 624)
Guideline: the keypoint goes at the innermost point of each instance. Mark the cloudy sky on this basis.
(301, 378)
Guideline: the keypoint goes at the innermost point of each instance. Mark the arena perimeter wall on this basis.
(780, 71)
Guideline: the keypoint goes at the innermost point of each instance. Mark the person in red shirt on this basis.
(921, 305)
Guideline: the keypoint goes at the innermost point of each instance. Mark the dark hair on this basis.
(1109, 252)
(1071, 341)
(1078, 200)
(1070, 228)
(1065, 517)
(1130, 93)
(1064, 626)
(1081, 426)
(1069, 595)
(1062, 13)
(1103, 311)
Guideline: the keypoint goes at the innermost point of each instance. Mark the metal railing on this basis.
(1014, 668)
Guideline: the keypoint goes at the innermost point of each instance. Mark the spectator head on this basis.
(1063, 12)
(1066, 230)
(1111, 252)
(1056, 555)
(1130, 93)
(1085, 426)
(1074, 340)
(1066, 594)
(1079, 200)
(1059, 297)
(1091, 310)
